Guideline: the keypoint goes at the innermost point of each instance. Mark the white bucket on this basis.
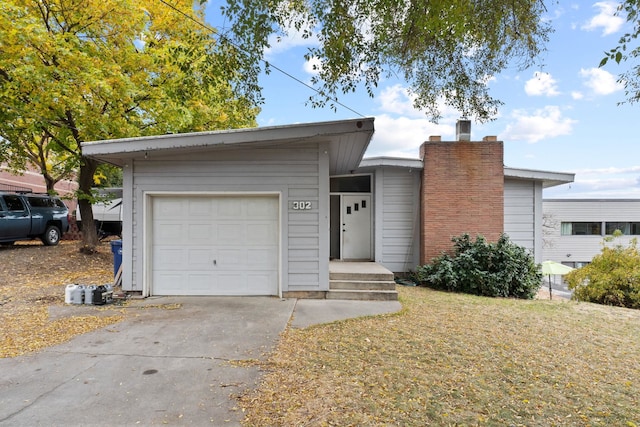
(68, 291)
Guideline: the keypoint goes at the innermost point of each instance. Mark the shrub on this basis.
(612, 277)
(500, 269)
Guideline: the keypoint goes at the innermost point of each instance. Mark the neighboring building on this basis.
(574, 229)
(262, 211)
(32, 180)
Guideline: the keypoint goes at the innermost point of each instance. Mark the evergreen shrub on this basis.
(494, 269)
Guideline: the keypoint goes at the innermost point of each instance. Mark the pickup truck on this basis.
(25, 216)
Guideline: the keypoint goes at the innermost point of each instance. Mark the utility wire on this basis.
(268, 64)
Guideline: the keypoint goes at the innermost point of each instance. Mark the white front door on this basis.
(356, 227)
(215, 245)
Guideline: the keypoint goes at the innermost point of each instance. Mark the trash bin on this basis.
(116, 249)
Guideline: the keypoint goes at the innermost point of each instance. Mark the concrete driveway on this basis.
(160, 366)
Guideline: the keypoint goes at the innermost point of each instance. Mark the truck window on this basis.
(41, 202)
(13, 203)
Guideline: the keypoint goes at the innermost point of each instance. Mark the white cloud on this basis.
(577, 95)
(605, 18)
(397, 100)
(541, 84)
(601, 82)
(282, 43)
(605, 183)
(402, 136)
(544, 123)
(312, 66)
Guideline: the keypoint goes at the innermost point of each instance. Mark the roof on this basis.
(549, 179)
(347, 139)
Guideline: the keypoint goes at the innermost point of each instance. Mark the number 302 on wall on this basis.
(300, 205)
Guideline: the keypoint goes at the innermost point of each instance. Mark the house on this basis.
(575, 229)
(263, 211)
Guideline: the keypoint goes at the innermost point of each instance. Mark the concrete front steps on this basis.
(365, 281)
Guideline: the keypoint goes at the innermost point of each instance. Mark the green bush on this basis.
(612, 277)
(500, 269)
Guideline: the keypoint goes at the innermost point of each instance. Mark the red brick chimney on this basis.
(462, 192)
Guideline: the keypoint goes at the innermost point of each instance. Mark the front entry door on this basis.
(356, 227)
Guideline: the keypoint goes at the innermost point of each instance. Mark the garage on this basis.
(239, 212)
(214, 244)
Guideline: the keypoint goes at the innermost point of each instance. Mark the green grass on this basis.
(451, 359)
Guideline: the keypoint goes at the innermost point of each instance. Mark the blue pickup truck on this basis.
(25, 216)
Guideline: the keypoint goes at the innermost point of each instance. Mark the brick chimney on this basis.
(462, 192)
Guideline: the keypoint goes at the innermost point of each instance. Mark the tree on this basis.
(74, 71)
(445, 49)
(611, 278)
(628, 50)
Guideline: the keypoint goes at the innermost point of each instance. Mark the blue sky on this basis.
(562, 117)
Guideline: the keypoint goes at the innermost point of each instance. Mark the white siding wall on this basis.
(397, 218)
(298, 174)
(523, 214)
(583, 248)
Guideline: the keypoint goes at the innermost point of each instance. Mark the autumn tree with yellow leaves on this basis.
(73, 71)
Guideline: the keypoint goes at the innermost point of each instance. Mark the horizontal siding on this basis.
(293, 173)
(397, 228)
(519, 212)
(583, 248)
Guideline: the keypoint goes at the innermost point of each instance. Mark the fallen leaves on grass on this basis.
(32, 278)
(452, 359)
(32, 330)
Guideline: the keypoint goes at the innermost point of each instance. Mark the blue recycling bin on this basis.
(116, 250)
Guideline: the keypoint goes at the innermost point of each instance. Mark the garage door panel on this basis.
(261, 258)
(199, 258)
(234, 233)
(261, 233)
(168, 231)
(169, 258)
(200, 232)
(215, 245)
(231, 258)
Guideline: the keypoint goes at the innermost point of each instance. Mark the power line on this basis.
(268, 64)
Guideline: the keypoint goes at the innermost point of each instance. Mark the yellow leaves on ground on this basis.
(31, 330)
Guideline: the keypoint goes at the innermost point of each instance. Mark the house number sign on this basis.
(301, 205)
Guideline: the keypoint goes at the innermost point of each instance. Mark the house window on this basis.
(351, 184)
(581, 229)
(626, 228)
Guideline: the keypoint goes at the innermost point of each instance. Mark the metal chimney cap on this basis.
(463, 129)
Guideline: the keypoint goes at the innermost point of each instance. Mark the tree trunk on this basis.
(50, 182)
(85, 183)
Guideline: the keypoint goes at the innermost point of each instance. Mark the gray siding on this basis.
(522, 214)
(299, 174)
(397, 216)
(582, 249)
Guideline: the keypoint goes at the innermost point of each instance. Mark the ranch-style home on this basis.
(272, 210)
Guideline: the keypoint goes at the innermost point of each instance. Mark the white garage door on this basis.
(215, 245)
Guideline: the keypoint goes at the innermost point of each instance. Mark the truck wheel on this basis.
(51, 236)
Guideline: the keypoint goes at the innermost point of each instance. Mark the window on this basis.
(351, 184)
(626, 228)
(581, 229)
(13, 203)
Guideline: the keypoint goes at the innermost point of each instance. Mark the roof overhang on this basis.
(549, 179)
(398, 162)
(347, 140)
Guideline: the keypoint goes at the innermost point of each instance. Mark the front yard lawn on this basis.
(452, 359)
